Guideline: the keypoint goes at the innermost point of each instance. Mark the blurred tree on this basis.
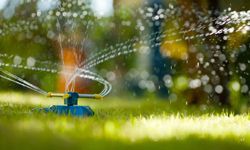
(224, 77)
(160, 65)
(195, 95)
(218, 78)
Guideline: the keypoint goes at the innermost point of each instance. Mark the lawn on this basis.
(120, 124)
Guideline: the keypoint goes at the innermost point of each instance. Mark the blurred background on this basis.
(41, 39)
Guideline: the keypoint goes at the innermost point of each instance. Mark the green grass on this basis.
(120, 124)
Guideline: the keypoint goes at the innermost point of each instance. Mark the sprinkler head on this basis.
(71, 104)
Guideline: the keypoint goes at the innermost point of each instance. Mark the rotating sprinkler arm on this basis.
(93, 96)
(67, 95)
(50, 94)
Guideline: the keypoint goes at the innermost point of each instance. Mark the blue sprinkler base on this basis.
(77, 111)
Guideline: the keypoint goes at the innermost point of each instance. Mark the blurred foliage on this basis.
(104, 32)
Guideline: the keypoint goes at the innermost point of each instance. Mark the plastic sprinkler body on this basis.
(71, 99)
(71, 104)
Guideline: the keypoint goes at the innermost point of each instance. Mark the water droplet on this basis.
(219, 89)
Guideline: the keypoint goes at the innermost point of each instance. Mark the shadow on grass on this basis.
(26, 141)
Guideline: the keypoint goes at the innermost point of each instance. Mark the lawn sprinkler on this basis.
(71, 104)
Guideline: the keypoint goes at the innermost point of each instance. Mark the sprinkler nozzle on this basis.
(65, 96)
(98, 96)
(49, 94)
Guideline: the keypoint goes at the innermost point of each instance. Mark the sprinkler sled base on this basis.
(76, 111)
